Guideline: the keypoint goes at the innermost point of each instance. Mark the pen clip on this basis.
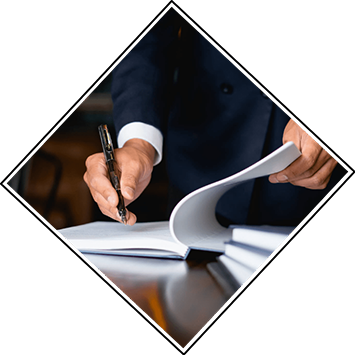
(106, 142)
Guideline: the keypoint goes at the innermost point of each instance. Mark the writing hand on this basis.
(312, 169)
(135, 162)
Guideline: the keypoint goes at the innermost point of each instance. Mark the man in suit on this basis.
(174, 86)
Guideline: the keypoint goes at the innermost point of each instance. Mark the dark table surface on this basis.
(181, 296)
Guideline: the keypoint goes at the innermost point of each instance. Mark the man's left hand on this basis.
(312, 169)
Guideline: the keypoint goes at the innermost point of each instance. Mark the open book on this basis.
(192, 224)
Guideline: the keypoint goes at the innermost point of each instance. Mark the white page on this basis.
(264, 237)
(110, 237)
(248, 256)
(193, 220)
(192, 223)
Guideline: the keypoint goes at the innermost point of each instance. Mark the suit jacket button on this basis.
(226, 88)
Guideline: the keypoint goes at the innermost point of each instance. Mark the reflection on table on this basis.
(181, 296)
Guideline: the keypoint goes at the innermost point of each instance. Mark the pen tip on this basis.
(123, 216)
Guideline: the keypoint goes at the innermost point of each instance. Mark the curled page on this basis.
(193, 221)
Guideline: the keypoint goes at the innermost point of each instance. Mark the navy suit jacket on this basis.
(214, 120)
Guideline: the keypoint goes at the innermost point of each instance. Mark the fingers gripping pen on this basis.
(111, 163)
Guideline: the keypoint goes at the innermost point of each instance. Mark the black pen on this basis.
(107, 148)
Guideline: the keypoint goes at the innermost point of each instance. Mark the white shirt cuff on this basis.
(143, 131)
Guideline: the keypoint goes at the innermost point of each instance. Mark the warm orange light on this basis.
(155, 306)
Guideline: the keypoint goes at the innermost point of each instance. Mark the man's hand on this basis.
(135, 161)
(312, 169)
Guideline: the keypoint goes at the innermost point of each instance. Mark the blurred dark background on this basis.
(52, 180)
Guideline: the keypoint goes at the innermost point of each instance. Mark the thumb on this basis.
(292, 133)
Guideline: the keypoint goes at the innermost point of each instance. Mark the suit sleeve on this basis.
(142, 82)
